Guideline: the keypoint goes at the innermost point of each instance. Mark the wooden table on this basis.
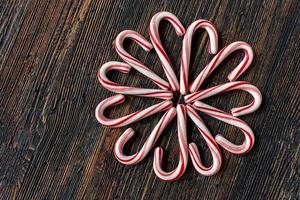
(52, 147)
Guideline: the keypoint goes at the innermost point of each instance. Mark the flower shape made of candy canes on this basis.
(192, 96)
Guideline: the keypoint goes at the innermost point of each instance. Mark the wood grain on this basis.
(51, 144)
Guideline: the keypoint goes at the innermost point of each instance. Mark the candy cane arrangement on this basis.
(191, 92)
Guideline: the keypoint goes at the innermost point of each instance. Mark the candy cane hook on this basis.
(155, 39)
(118, 88)
(229, 119)
(212, 145)
(219, 58)
(140, 155)
(128, 119)
(236, 85)
(183, 156)
(136, 64)
(187, 46)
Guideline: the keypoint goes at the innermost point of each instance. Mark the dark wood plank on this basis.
(51, 144)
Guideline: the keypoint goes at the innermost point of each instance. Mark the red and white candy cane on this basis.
(118, 88)
(236, 85)
(212, 145)
(219, 58)
(187, 46)
(183, 155)
(229, 119)
(128, 119)
(155, 39)
(140, 155)
(135, 63)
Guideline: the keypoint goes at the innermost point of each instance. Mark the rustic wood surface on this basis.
(51, 144)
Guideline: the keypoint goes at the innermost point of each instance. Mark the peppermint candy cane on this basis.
(117, 88)
(187, 45)
(229, 119)
(140, 155)
(128, 119)
(212, 145)
(136, 64)
(236, 85)
(183, 156)
(155, 39)
(219, 58)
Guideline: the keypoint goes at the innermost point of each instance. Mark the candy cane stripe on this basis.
(236, 85)
(183, 155)
(128, 119)
(155, 39)
(227, 118)
(219, 58)
(187, 46)
(115, 87)
(136, 64)
(212, 145)
(140, 155)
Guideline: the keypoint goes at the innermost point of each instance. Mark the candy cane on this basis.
(140, 155)
(229, 119)
(155, 39)
(212, 145)
(187, 45)
(219, 58)
(183, 159)
(128, 119)
(115, 87)
(237, 85)
(136, 64)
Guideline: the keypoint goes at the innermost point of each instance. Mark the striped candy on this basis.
(128, 119)
(237, 85)
(183, 147)
(140, 155)
(187, 46)
(155, 39)
(118, 88)
(229, 119)
(212, 145)
(135, 63)
(219, 58)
